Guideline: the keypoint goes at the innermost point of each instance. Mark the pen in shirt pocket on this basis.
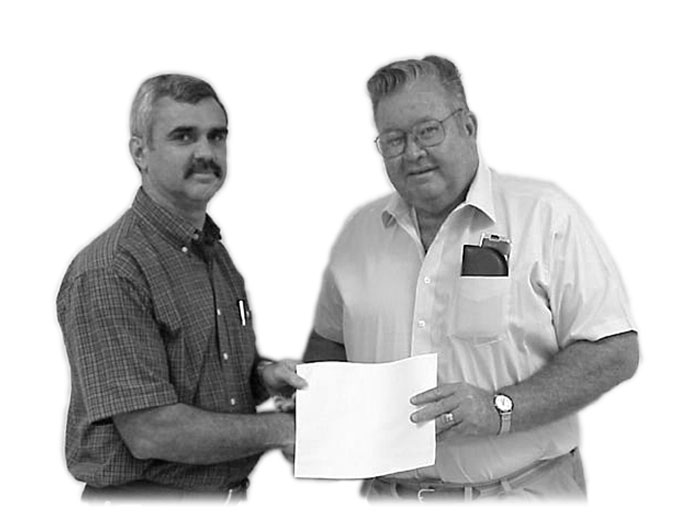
(243, 308)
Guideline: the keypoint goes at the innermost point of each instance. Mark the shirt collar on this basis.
(173, 227)
(481, 192)
(480, 196)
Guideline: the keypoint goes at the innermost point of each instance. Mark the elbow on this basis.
(631, 365)
(143, 445)
(628, 356)
(143, 448)
(144, 435)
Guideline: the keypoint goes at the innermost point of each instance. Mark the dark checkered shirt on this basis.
(150, 316)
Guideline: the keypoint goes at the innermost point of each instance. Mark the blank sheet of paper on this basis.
(353, 419)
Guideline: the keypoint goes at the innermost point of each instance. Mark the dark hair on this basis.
(394, 76)
(179, 87)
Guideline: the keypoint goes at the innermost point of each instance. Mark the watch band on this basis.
(506, 420)
(504, 407)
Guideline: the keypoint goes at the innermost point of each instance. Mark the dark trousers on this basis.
(143, 491)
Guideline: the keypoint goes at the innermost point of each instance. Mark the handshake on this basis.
(281, 381)
(352, 414)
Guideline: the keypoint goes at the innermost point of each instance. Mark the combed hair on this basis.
(179, 87)
(390, 78)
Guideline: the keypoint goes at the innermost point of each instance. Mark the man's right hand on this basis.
(281, 378)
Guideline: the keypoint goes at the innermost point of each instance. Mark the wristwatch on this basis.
(504, 406)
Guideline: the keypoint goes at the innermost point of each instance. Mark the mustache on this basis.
(203, 166)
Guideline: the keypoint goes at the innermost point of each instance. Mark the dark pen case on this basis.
(483, 262)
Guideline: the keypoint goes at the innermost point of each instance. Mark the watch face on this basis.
(503, 403)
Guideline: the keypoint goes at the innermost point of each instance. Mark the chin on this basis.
(204, 193)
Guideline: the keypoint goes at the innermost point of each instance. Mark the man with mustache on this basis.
(503, 277)
(158, 330)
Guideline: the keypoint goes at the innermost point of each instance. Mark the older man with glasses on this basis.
(503, 277)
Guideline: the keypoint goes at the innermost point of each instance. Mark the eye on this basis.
(428, 130)
(393, 140)
(219, 136)
(183, 137)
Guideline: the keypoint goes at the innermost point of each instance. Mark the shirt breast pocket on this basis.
(479, 308)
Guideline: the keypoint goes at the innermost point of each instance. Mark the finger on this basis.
(432, 395)
(296, 381)
(444, 433)
(429, 412)
(284, 405)
(446, 422)
(287, 375)
(435, 409)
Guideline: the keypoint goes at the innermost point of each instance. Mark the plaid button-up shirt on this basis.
(150, 313)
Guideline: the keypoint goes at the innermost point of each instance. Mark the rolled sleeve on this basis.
(117, 352)
(587, 296)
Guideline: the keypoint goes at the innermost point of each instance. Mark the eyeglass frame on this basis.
(415, 137)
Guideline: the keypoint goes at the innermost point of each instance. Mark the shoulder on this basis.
(364, 222)
(526, 187)
(369, 212)
(537, 196)
(110, 253)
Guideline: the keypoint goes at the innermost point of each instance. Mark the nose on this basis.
(413, 151)
(203, 149)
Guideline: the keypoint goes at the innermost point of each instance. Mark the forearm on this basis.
(574, 378)
(185, 434)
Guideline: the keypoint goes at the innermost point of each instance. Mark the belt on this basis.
(426, 491)
(143, 490)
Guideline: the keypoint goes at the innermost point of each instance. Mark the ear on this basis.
(471, 124)
(137, 149)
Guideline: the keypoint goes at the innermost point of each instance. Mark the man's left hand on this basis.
(459, 408)
(281, 378)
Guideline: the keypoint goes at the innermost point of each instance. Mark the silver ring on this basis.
(448, 418)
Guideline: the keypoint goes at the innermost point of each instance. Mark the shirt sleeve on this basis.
(328, 321)
(259, 390)
(115, 346)
(586, 293)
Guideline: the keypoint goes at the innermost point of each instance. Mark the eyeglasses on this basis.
(426, 133)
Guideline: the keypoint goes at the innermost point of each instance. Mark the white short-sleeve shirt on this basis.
(385, 299)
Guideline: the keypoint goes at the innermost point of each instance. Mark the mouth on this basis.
(203, 174)
(421, 171)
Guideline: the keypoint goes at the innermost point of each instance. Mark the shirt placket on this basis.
(435, 284)
(424, 321)
(230, 356)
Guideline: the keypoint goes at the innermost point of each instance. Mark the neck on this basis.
(192, 212)
(430, 220)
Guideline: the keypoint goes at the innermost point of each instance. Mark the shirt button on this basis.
(184, 249)
(196, 236)
(427, 280)
(225, 356)
(421, 323)
(233, 401)
(218, 311)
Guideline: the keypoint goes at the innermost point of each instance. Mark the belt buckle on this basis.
(421, 492)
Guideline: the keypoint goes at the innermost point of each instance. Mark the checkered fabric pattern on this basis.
(150, 317)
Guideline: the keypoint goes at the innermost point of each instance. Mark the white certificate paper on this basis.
(353, 419)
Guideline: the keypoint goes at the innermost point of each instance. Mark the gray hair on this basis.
(394, 76)
(179, 87)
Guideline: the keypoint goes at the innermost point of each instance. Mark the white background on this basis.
(591, 95)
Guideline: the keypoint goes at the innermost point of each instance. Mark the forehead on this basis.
(169, 114)
(419, 99)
